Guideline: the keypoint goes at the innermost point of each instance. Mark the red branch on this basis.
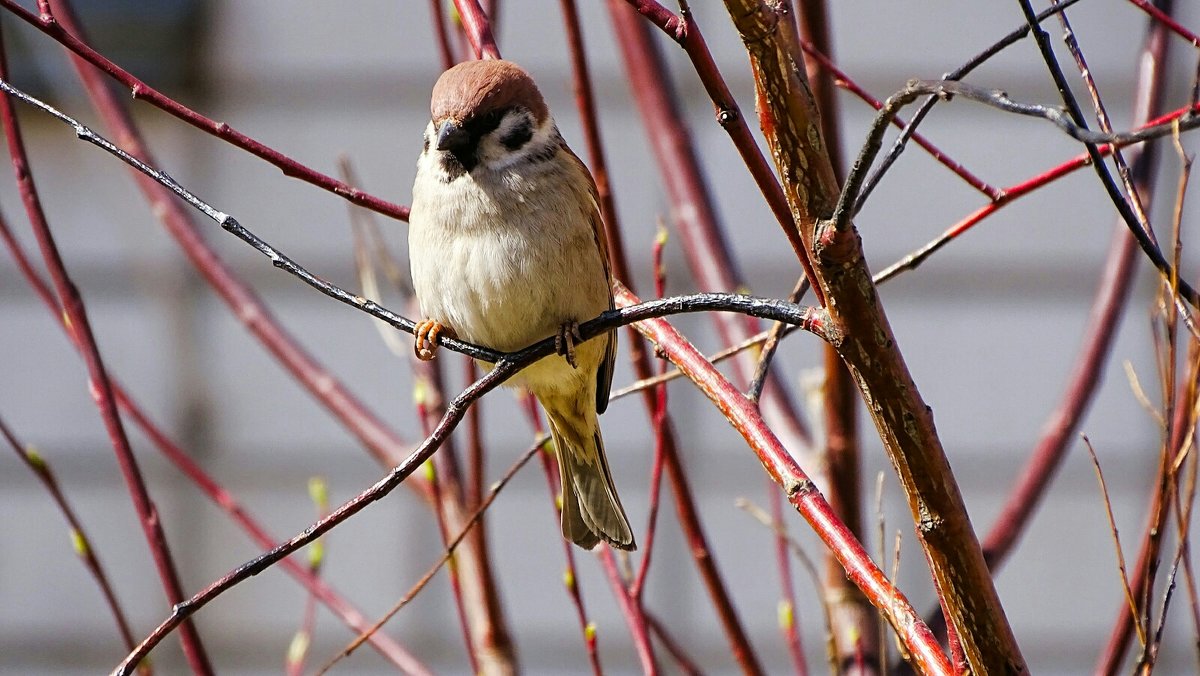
(98, 382)
(685, 505)
(801, 492)
(60, 28)
(686, 32)
(224, 500)
(709, 256)
(478, 29)
(383, 443)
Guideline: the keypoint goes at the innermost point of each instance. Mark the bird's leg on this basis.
(426, 336)
(565, 340)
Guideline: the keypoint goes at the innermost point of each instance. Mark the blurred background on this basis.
(989, 326)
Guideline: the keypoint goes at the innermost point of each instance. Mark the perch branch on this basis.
(799, 488)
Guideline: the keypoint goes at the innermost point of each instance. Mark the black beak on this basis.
(452, 137)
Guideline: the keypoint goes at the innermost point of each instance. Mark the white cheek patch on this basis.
(496, 156)
(515, 130)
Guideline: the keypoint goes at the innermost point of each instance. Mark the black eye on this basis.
(489, 121)
(518, 135)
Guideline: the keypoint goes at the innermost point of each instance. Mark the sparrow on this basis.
(506, 248)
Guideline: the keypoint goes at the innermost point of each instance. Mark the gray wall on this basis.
(990, 327)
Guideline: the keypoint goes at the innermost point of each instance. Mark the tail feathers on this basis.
(591, 510)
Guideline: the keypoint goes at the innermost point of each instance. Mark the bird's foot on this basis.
(565, 340)
(426, 336)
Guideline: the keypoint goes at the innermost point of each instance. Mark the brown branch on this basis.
(905, 423)
(855, 629)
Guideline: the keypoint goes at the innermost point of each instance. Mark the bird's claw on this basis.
(426, 337)
(565, 340)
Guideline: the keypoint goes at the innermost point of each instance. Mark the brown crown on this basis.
(475, 88)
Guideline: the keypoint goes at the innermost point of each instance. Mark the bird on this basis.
(507, 248)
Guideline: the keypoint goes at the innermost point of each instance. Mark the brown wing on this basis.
(604, 375)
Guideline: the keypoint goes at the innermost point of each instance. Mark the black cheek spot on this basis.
(425, 148)
(518, 136)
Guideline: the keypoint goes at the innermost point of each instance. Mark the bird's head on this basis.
(487, 114)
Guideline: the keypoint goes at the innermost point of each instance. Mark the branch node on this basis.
(795, 486)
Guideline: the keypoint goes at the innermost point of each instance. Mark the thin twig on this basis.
(318, 492)
(1116, 537)
(1186, 119)
(959, 73)
(780, 532)
(81, 543)
(1076, 119)
(450, 546)
(1104, 318)
(660, 435)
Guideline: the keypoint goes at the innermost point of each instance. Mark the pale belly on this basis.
(506, 292)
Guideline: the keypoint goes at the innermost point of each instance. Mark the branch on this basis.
(247, 308)
(959, 73)
(904, 421)
(55, 27)
(478, 29)
(800, 490)
(507, 365)
(685, 504)
(82, 544)
(469, 526)
(1105, 316)
(220, 497)
(809, 318)
(686, 32)
(98, 381)
(854, 628)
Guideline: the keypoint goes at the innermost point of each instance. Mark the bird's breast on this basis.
(504, 268)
